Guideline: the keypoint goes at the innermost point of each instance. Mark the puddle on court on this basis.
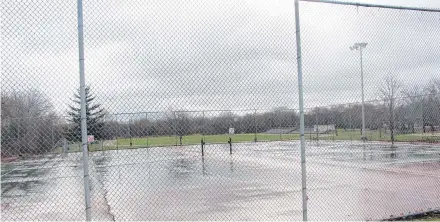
(178, 178)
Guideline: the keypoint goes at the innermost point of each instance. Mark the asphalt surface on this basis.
(259, 181)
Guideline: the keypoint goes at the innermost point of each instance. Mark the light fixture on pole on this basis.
(359, 46)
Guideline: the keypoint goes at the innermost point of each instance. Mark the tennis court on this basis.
(346, 181)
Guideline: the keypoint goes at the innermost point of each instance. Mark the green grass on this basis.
(157, 141)
(433, 216)
(196, 139)
(428, 218)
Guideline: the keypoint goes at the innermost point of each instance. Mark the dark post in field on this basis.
(230, 145)
(202, 143)
(129, 132)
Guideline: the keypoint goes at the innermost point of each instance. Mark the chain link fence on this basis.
(192, 111)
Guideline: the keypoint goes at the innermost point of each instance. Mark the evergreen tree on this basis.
(94, 112)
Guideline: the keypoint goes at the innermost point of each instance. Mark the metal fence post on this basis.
(423, 116)
(175, 126)
(146, 126)
(102, 136)
(279, 122)
(203, 125)
(53, 145)
(317, 126)
(129, 131)
(333, 121)
(83, 111)
(117, 131)
(255, 125)
(350, 123)
(301, 113)
(65, 145)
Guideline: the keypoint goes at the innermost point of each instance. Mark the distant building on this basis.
(324, 128)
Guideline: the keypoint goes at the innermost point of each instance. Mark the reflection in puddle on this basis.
(204, 172)
(231, 164)
(182, 167)
(21, 188)
(392, 155)
(382, 153)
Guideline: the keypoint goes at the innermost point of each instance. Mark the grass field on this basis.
(157, 141)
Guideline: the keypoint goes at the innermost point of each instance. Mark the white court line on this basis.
(38, 179)
(8, 173)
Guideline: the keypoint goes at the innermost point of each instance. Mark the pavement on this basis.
(346, 180)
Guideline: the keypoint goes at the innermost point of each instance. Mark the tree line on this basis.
(397, 109)
(30, 125)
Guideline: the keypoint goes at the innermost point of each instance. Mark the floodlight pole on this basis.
(363, 97)
(301, 114)
(83, 111)
(360, 46)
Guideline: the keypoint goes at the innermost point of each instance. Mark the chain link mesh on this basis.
(393, 57)
(192, 111)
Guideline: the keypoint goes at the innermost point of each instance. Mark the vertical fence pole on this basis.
(52, 137)
(333, 122)
(117, 132)
(231, 125)
(83, 110)
(279, 122)
(350, 123)
(203, 125)
(255, 125)
(202, 140)
(102, 136)
(301, 113)
(175, 127)
(65, 145)
(146, 126)
(317, 126)
(423, 117)
(129, 131)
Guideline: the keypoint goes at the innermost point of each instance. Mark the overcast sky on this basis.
(193, 55)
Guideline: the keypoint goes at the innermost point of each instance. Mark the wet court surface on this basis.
(259, 181)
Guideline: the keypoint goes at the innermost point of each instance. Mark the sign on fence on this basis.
(90, 138)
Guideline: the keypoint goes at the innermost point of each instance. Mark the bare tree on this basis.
(389, 91)
(176, 122)
(29, 125)
(432, 104)
(413, 107)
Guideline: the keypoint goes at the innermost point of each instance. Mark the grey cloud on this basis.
(149, 56)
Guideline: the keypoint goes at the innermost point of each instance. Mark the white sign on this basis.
(324, 128)
(90, 138)
(231, 130)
